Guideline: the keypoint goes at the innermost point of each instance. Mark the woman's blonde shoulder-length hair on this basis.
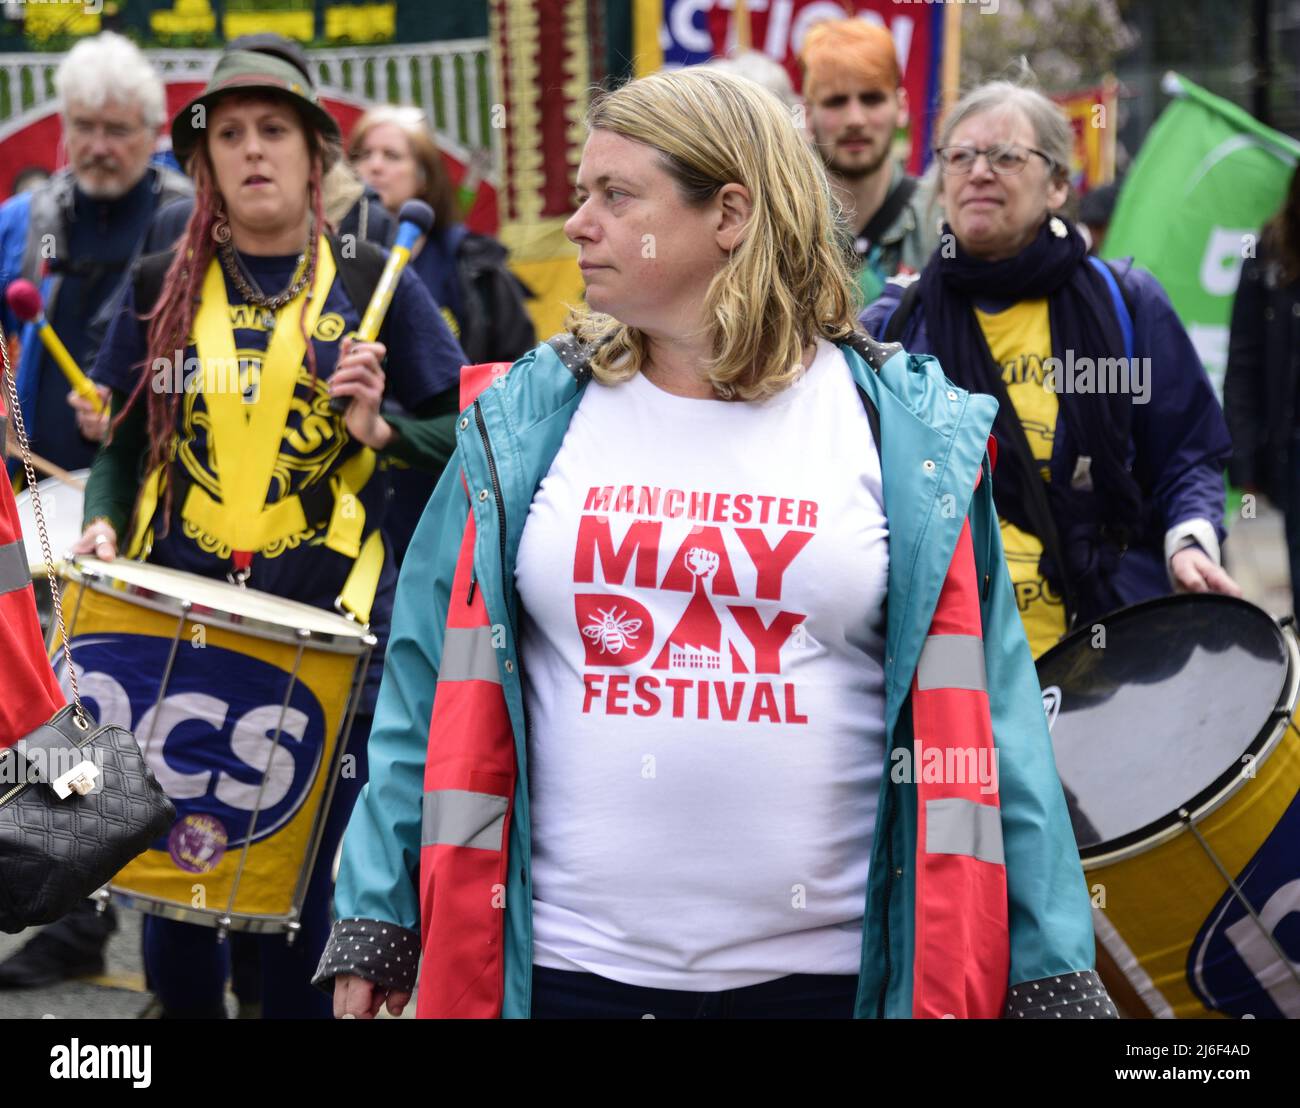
(788, 280)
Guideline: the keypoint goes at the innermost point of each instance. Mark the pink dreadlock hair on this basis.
(172, 317)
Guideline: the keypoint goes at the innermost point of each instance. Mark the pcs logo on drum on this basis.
(211, 740)
(1247, 964)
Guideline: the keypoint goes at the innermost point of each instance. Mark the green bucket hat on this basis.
(250, 71)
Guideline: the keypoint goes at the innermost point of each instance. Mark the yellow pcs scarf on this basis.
(244, 442)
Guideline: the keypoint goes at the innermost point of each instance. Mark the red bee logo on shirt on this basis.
(617, 631)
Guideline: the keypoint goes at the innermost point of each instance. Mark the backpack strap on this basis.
(896, 323)
(148, 280)
(890, 210)
(359, 268)
(1123, 310)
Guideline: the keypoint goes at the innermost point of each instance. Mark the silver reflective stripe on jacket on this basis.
(467, 655)
(952, 662)
(954, 825)
(14, 572)
(457, 817)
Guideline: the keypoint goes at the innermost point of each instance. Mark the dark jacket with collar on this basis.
(34, 229)
(1259, 390)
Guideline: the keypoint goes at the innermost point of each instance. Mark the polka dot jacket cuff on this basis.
(377, 950)
(1071, 996)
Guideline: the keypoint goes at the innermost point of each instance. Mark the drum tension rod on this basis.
(1186, 817)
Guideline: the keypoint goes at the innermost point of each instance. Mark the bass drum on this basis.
(242, 704)
(1172, 728)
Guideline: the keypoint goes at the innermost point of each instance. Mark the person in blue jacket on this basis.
(665, 630)
(1112, 445)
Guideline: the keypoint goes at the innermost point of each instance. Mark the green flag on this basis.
(1207, 178)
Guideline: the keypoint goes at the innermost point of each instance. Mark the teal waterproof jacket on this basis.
(933, 438)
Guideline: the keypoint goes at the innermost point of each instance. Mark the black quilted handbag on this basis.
(77, 801)
(58, 845)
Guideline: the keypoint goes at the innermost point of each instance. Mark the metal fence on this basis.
(450, 81)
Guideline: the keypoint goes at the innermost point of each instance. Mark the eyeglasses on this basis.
(116, 132)
(1006, 158)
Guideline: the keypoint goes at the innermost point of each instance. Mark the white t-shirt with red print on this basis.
(703, 585)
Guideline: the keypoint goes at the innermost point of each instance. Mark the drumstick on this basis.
(24, 301)
(414, 219)
(48, 468)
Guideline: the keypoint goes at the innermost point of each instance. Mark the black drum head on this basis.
(1152, 709)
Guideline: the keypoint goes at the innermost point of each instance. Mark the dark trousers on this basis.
(563, 994)
(188, 968)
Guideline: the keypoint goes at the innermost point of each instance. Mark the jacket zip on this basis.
(988, 537)
(884, 920)
(496, 491)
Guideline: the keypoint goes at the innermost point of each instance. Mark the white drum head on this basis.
(61, 505)
(221, 596)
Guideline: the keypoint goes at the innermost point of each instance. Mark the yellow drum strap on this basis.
(363, 582)
(244, 439)
(244, 443)
(348, 522)
(146, 505)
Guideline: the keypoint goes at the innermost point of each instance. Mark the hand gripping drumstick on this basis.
(24, 300)
(415, 219)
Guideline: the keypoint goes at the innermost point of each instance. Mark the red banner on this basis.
(35, 141)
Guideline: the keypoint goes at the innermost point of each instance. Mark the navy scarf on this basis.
(1082, 319)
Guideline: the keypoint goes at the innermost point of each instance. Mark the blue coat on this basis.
(25, 220)
(933, 445)
(1180, 448)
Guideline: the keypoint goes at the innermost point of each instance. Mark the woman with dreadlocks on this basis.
(259, 276)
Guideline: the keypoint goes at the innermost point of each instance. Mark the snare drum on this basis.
(1172, 728)
(242, 703)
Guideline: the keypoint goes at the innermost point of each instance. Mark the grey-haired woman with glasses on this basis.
(1111, 442)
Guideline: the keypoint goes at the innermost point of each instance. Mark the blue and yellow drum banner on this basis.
(211, 740)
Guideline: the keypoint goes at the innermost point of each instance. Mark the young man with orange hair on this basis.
(855, 102)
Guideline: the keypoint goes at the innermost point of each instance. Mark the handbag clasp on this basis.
(80, 779)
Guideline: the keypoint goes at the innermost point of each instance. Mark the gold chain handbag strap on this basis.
(16, 417)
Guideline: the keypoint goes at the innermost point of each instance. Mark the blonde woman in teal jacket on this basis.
(702, 583)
